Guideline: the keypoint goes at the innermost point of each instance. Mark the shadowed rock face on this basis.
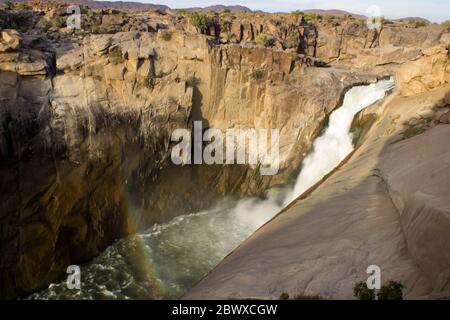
(85, 124)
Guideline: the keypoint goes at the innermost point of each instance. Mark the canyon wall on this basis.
(86, 119)
(85, 136)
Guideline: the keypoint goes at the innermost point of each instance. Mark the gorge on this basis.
(178, 254)
(85, 141)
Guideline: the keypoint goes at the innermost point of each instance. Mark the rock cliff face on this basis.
(387, 206)
(86, 119)
(85, 136)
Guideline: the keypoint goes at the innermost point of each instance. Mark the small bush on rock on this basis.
(226, 26)
(284, 296)
(23, 6)
(257, 74)
(201, 21)
(297, 13)
(60, 22)
(391, 290)
(265, 40)
(115, 56)
(361, 292)
(310, 17)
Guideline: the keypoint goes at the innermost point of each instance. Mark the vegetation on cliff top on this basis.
(299, 296)
(201, 21)
(391, 290)
(265, 40)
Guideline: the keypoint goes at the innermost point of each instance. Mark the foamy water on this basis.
(336, 143)
(168, 259)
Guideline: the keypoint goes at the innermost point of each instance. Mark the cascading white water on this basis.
(168, 259)
(336, 143)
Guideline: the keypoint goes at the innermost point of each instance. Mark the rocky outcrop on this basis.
(430, 71)
(10, 40)
(347, 41)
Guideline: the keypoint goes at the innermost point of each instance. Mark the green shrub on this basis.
(115, 56)
(201, 21)
(299, 296)
(60, 22)
(265, 40)
(226, 26)
(297, 13)
(446, 24)
(310, 17)
(392, 290)
(362, 292)
(149, 81)
(226, 10)
(257, 74)
(284, 296)
(415, 130)
(23, 6)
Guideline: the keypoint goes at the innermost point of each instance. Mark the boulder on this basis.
(35, 68)
(70, 60)
(113, 20)
(426, 73)
(10, 40)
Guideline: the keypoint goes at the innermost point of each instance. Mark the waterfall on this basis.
(336, 142)
(168, 259)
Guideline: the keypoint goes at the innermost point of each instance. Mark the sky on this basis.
(434, 10)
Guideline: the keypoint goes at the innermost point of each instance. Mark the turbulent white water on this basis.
(168, 259)
(336, 143)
